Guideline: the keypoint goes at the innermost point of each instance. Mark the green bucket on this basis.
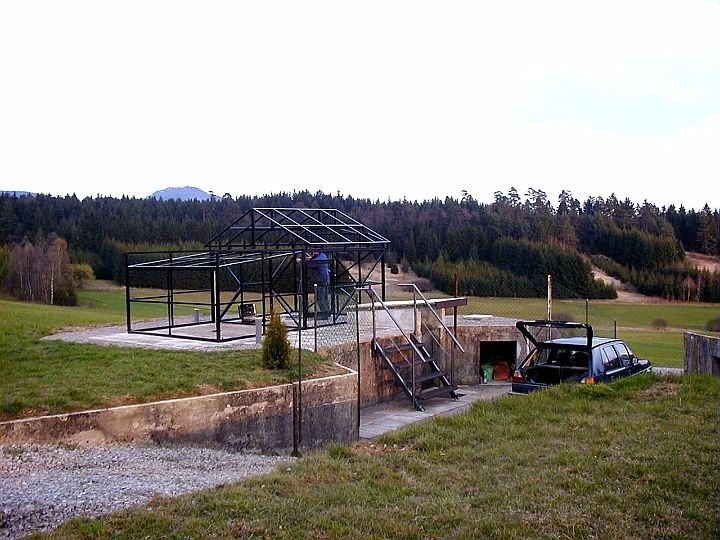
(487, 370)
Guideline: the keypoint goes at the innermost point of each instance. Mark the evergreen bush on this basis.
(275, 347)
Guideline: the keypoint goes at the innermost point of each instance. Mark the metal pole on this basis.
(297, 396)
(216, 302)
(295, 452)
(127, 292)
(382, 274)
(587, 311)
(418, 327)
(372, 310)
(357, 336)
(455, 331)
(258, 330)
(412, 353)
(452, 347)
(168, 284)
(549, 297)
(299, 331)
(263, 292)
(315, 312)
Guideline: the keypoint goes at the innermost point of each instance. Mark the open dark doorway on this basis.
(498, 356)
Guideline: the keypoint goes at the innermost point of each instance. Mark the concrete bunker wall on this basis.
(251, 420)
(487, 345)
(702, 354)
(378, 385)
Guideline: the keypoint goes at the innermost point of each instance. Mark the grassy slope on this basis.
(40, 377)
(51, 376)
(635, 459)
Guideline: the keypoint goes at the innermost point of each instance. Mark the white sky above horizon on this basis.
(378, 99)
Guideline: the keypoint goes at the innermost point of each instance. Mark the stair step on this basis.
(396, 349)
(436, 391)
(428, 376)
(405, 364)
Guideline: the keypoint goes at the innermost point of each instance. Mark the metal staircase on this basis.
(416, 369)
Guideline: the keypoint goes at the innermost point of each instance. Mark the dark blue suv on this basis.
(556, 357)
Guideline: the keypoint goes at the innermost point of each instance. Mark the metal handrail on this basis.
(432, 310)
(374, 296)
(392, 317)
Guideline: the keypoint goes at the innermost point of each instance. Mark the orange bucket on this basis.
(502, 371)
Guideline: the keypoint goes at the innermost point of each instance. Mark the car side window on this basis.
(580, 359)
(563, 358)
(542, 356)
(533, 358)
(624, 354)
(610, 358)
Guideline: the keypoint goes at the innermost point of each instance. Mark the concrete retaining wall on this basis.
(251, 420)
(377, 383)
(702, 354)
(260, 419)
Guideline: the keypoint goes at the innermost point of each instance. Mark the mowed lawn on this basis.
(636, 459)
(635, 323)
(49, 377)
(41, 377)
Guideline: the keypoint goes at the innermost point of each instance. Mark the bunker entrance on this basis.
(498, 359)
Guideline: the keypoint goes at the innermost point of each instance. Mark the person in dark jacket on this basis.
(319, 274)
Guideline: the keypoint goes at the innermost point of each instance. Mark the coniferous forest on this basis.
(503, 248)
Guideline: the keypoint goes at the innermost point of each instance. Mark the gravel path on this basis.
(45, 485)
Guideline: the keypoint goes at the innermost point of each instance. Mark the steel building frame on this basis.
(258, 260)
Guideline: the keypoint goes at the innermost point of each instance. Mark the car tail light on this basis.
(588, 380)
(518, 377)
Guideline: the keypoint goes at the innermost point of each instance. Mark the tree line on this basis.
(40, 273)
(503, 248)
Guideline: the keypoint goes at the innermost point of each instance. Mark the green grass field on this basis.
(39, 377)
(47, 377)
(631, 322)
(633, 459)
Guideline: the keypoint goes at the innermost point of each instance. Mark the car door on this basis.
(612, 362)
(629, 361)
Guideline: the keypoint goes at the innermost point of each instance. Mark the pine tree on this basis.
(276, 348)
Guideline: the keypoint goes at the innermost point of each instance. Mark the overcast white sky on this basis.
(378, 99)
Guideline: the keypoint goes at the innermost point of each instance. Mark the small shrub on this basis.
(424, 285)
(82, 273)
(596, 391)
(275, 347)
(394, 269)
(660, 324)
(713, 325)
(341, 452)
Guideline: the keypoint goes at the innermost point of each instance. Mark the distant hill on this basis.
(17, 193)
(186, 193)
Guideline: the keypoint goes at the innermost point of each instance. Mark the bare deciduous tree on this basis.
(41, 273)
